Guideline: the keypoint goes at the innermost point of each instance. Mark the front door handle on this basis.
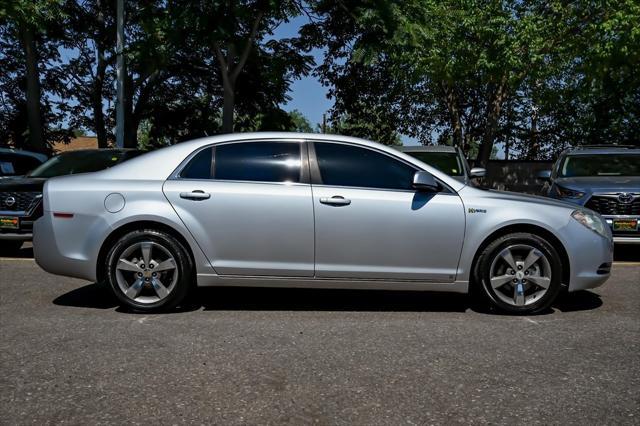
(336, 200)
(195, 195)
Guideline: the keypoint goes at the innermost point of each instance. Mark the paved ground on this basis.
(256, 356)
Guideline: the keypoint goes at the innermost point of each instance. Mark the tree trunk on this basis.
(98, 84)
(491, 123)
(34, 118)
(227, 109)
(454, 115)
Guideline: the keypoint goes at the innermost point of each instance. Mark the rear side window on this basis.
(346, 165)
(199, 167)
(258, 161)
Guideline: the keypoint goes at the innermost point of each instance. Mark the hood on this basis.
(20, 184)
(516, 196)
(601, 183)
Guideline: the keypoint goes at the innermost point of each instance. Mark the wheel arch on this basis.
(133, 226)
(532, 229)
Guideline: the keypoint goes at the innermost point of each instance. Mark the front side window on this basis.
(600, 165)
(347, 165)
(258, 162)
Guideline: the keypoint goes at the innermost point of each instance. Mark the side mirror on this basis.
(477, 172)
(424, 181)
(544, 175)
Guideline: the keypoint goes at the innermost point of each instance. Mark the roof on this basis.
(37, 155)
(166, 160)
(429, 148)
(603, 149)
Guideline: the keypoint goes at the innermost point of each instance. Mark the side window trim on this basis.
(316, 177)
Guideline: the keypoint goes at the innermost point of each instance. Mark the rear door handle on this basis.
(336, 200)
(195, 195)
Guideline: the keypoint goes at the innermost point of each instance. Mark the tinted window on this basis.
(601, 165)
(448, 162)
(346, 165)
(199, 167)
(16, 164)
(72, 162)
(258, 161)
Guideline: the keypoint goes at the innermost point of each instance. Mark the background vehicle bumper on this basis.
(15, 236)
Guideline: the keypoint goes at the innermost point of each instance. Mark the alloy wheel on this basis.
(520, 275)
(146, 272)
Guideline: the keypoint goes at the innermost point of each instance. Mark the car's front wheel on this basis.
(519, 273)
(149, 270)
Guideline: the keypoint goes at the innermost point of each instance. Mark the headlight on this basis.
(591, 221)
(568, 193)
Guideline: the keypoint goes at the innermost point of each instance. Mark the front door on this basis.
(371, 224)
(248, 207)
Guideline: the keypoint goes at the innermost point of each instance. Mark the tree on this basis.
(28, 24)
(90, 31)
(235, 32)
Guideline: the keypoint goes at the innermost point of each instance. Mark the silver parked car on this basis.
(311, 210)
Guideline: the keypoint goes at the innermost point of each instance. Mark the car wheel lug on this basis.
(519, 267)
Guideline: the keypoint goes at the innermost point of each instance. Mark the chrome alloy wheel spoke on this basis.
(159, 288)
(165, 265)
(541, 281)
(507, 256)
(126, 265)
(133, 291)
(500, 280)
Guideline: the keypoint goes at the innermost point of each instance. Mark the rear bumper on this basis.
(54, 256)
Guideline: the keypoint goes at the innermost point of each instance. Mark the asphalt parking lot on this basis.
(266, 356)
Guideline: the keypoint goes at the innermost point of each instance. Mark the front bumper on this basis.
(590, 257)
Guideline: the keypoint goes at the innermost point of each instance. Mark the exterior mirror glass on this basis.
(424, 181)
(477, 172)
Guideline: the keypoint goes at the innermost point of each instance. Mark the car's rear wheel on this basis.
(149, 270)
(519, 273)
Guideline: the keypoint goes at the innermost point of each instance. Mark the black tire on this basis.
(183, 267)
(482, 271)
(10, 247)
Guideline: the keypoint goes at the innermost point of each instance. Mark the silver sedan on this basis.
(311, 210)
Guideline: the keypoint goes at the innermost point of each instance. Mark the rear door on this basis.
(248, 204)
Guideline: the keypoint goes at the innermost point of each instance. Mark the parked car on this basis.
(605, 179)
(310, 210)
(16, 162)
(20, 197)
(448, 159)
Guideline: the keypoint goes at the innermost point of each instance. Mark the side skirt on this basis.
(211, 280)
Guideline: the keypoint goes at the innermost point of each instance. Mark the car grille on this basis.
(610, 205)
(22, 201)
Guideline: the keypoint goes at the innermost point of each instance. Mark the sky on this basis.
(307, 94)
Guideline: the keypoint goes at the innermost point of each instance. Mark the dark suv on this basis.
(21, 197)
(603, 178)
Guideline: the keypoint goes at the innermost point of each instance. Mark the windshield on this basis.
(447, 162)
(73, 162)
(601, 165)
